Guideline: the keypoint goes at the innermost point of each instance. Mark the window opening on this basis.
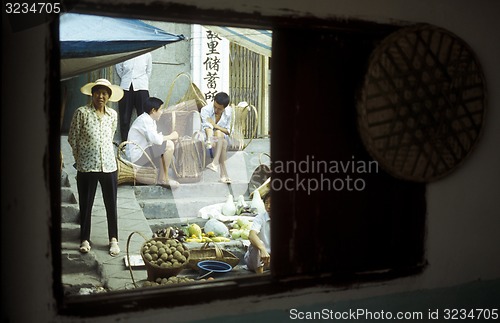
(186, 75)
(326, 236)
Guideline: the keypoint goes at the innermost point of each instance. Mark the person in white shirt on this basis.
(215, 123)
(258, 255)
(134, 74)
(159, 147)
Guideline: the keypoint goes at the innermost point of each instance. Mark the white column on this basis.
(209, 61)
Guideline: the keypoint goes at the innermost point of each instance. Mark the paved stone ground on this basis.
(142, 209)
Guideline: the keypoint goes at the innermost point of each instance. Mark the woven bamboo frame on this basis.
(239, 127)
(129, 172)
(422, 104)
(192, 92)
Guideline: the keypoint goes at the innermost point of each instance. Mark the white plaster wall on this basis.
(463, 221)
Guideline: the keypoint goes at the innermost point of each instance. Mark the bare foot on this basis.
(171, 184)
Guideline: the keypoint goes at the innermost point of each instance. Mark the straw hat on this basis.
(116, 91)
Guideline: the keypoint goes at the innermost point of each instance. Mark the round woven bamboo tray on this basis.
(208, 253)
(422, 104)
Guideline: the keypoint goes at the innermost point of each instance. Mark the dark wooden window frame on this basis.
(324, 238)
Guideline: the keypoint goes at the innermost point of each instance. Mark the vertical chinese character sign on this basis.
(210, 62)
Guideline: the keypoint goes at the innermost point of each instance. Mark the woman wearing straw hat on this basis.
(91, 138)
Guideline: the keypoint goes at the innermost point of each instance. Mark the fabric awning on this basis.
(257, 40)
(89, 42)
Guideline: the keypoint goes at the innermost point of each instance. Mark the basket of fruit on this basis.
(206, 252)
(164, 257)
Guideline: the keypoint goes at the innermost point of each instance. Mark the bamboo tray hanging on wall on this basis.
(422, 104)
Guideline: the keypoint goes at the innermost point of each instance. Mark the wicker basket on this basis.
(192, 92)
(190, 159)
(129, 172)
(261, 177)
(155, 271)
(243, 124)
(208, 253)
(185, 122)
(189, 152)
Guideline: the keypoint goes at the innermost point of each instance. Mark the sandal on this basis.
(225, 180)
(114, 250)
(85, 247)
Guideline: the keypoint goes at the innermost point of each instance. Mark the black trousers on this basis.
(131, 99)
(87, 186)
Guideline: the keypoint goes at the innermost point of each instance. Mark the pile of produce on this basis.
(194, 231)
(171, 232)
(197, 234)
(240, 229)
(240, 207)
(216, 231)
(165, 254)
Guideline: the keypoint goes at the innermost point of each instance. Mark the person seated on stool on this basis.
(215, 122)
(159, 147)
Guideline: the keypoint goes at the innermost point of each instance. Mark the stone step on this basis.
(70, 213)
(82, 284)
(183, 203)
(70, 232)
(64, 179)
(206, 189)
(75, 262)
(174, 209)
(159, 224)
(81, 272)
(68, 196)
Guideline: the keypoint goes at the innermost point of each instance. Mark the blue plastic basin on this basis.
(213, 267)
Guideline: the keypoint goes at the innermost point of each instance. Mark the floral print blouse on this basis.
(91, 138)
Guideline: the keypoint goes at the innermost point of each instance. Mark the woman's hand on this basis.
(265, 256)
(173, 136)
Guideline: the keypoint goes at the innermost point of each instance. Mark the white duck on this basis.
(228, 208)
(240, 202)
(257, 202)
